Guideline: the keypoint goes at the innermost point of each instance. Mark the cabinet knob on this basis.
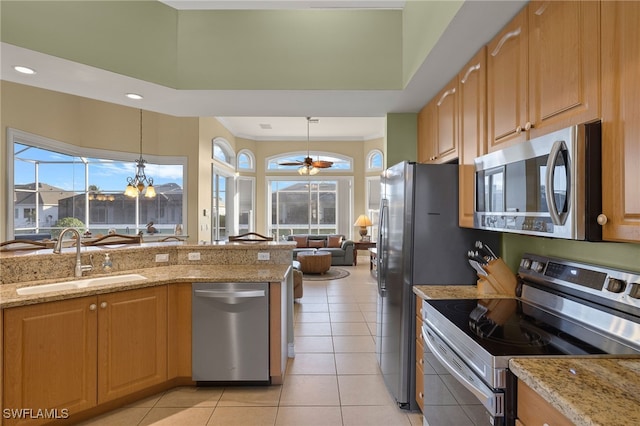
(519, 129)
(528, 126)
(103, 305)
(602, 219)
(92, 307)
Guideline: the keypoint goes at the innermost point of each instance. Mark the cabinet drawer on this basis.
(419, 375)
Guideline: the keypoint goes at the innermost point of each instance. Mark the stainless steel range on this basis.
(561, 308)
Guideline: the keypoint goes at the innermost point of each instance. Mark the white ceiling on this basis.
(345, 114)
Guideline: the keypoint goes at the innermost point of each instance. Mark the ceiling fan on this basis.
(308, 166)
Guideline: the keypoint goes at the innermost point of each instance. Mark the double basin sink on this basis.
(78, 284)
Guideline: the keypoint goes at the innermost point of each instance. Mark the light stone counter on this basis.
(453, 292)
(588, 391)
(155, 276)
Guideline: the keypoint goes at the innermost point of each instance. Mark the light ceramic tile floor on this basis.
(333, 380)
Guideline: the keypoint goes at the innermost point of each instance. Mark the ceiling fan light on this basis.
(313, 171)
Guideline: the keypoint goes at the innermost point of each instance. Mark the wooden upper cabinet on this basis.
(507, 74)
(542, 71)
(563, 64)
(426, 134)
(472, 139)
(132, 344)
(446, 122)
(621, 120)
(50, 352)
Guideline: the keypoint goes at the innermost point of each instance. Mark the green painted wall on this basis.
(401, 142)
(423, 25)
(224, 49)
(616, 255)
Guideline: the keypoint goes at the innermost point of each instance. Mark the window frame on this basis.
(42, 142)
(252, 161)
(370, 157)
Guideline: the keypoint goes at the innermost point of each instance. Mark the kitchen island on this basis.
(106, 345)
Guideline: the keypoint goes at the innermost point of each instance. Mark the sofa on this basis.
(341, 249)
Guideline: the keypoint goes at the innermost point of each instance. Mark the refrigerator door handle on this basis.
(382, 257)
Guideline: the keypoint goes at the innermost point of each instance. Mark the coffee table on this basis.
(314, 263)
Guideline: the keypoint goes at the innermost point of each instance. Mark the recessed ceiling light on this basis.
(24, 70)
(134, 96)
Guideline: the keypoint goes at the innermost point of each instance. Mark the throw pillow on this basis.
(300, 241)
(316, 243)
(334, 241)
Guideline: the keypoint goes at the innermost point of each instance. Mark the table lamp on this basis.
(363, 221)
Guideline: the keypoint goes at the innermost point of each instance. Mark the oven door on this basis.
(453, 392)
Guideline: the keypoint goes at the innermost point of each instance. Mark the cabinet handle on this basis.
(542, 8)
(518, 129)
(528, 126)
(504, 39)
(420, 395)
(103, 305)
(471, 69)
(92, 307)
(445, 94)
(421, 362)
(602, 219)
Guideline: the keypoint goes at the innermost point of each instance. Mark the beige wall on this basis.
(95, 124)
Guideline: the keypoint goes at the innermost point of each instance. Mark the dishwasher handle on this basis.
(225, 294)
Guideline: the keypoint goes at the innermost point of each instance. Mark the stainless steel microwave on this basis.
(548, 186)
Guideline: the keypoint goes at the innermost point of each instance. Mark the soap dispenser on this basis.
(107, 265)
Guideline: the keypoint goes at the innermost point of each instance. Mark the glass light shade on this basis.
(130, 191)
(151, 192)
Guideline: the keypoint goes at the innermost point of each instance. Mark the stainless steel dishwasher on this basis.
(230, 339)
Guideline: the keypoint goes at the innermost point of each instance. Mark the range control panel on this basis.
(599, 282)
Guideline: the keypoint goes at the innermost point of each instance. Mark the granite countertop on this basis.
(454, 292)
(588, 391)
(155, 276)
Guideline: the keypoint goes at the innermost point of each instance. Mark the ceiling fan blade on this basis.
(293, 163)
(322, 164)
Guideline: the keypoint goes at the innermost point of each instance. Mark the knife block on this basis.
(499, 279)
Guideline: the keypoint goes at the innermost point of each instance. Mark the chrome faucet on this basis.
(57, 248)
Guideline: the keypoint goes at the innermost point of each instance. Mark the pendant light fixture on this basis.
(136, 185)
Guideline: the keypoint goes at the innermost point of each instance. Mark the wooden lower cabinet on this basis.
(535, 410)
(50, 352)
(75, 354)
(132, 341)
(419, 356)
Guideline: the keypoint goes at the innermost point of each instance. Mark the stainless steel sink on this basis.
(77, 284)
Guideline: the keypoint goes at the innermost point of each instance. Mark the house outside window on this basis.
(52, 180)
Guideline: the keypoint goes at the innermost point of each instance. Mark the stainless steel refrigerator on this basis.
(419, 243)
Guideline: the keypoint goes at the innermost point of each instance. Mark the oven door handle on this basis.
(492, 401)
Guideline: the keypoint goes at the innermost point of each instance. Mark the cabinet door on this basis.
(50, 356)
(507, 76)
(446, 120)
(426, 134)
(621, 120)
(473, 135)
(563, 64)
(534, 410)
(132, 341)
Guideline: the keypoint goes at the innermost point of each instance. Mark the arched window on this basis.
(341, 163)
(374, 160)
(246, 161)
(223, 152)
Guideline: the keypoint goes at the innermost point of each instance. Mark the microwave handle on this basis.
(556, 217)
